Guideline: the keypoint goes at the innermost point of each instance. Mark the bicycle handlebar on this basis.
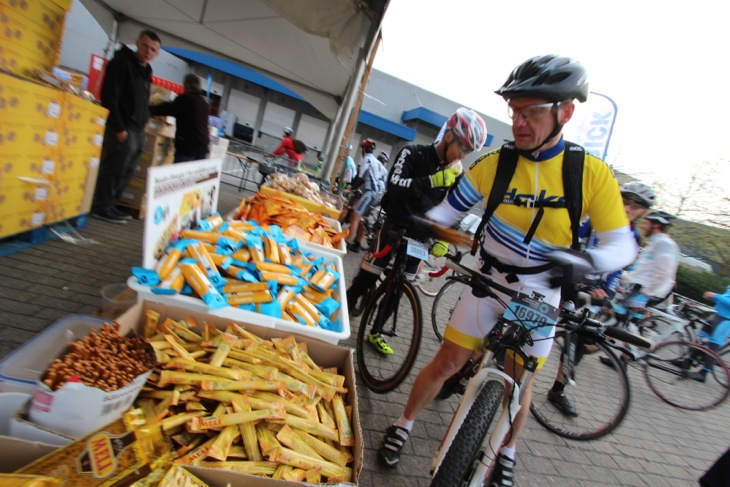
(394, 238)
(578, 319)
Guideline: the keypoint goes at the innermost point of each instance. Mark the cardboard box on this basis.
(325, 355)
(18, 453)
(240, 315)
(163, 126)
(39, 137)
(30, 40)
(310, 205)
(46, 14)
(22, 221)
(27, 100)
(20, 370)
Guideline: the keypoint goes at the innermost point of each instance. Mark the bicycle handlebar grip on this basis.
(625, 336)
(384, 252)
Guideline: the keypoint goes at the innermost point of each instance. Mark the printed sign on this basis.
(178, 197)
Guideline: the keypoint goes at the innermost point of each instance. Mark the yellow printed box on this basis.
(21, 99)
(22, 165)
(72, 166)
(22, 221)
(29, 137)
(46, 14)
(29, 39)
(20, 61)
(61, 210)
(68, 189)
(81, 141)
(85, 115)
(17, 195)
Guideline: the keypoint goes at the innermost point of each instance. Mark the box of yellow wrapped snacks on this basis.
(237, 404)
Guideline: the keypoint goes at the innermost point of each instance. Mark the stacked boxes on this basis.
(49, 141)
(159, 150)
(30, 34)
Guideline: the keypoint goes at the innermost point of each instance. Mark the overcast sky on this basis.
(665, 65)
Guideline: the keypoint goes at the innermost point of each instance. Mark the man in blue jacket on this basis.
(126, 94)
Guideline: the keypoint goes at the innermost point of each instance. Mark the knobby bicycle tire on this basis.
(458, 463)
(668, 369)
(601, 394)
(383, 373)
(443, 305)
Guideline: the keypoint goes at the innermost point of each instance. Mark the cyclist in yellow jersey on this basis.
(516, 248)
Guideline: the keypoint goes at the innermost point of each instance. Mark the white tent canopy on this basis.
(317, 48)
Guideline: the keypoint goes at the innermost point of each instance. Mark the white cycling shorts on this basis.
(473, 318)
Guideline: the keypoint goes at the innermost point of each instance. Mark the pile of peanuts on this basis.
(103, 359)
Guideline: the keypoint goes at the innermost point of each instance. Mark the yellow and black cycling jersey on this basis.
(537, 181)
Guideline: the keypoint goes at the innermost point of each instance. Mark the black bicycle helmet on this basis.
(553, 78)
(383, 157)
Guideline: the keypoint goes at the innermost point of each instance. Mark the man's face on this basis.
(534, 119)
(147, 50)
(634, 209)
(649, 228)
(455, 151)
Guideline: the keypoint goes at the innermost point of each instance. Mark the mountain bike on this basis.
(466, 456)
(393, 309)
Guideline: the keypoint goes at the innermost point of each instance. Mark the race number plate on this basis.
(532, 314)
(417, 249)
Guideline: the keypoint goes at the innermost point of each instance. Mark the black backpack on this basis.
(573, 161)
(299, 146)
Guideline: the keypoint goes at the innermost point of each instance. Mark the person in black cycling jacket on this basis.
(418, 181)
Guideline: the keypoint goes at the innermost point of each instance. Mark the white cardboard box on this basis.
(240, 315)
(22, 452)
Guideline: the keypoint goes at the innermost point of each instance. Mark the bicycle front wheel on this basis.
(659, 329)
(458, 463)
(443, 305)
(672, 372)
(398, 319)
(599, 392)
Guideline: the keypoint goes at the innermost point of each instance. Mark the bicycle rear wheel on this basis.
(668, 372)
(458, 463)
(443, 305)
(601, 394)
(400, 326)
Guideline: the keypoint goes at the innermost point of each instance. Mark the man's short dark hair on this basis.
(151, 34)
(191, 83)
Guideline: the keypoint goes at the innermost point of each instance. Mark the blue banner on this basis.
(592, 124)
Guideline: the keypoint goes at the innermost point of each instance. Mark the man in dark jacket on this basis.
(191, 113)
(126, 94)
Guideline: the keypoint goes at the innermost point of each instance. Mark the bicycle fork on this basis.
(493, 442)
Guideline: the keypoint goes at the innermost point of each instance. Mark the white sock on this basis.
(406, 424)
(508, 452)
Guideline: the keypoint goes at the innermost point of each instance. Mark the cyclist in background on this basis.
(654, 273)
(350, 169)
(371, 181)
(717, 330)
(518, 249)
(369, 199)
(419, 180)
(638, 198)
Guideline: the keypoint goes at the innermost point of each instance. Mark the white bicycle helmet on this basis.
(640, 192)
(469, 128)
